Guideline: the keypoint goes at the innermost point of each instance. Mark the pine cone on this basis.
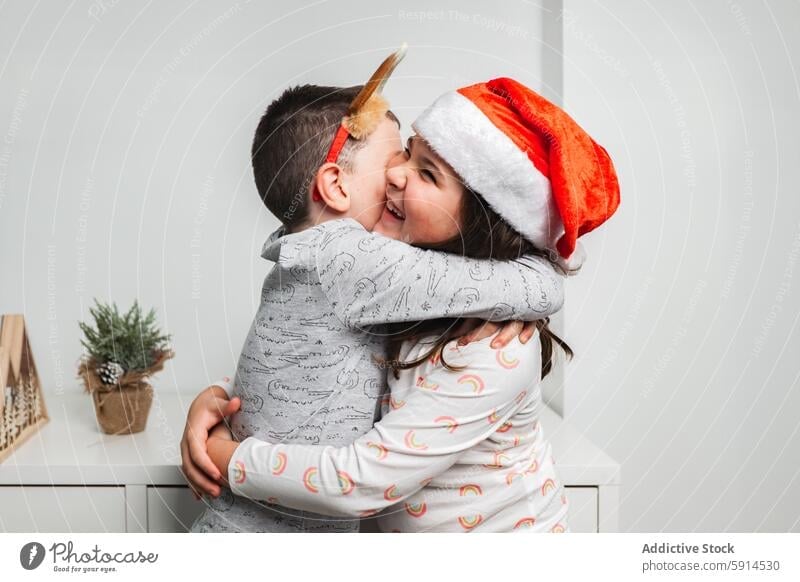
(110, 372)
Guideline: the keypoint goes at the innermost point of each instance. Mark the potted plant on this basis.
(122, 351)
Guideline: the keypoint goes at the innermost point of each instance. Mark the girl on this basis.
(494, 171)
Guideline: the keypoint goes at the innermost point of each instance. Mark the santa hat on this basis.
(533, 164)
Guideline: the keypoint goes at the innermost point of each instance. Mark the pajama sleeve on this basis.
(429, 428)
(372, 279)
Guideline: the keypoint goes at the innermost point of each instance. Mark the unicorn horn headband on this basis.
(367, 110)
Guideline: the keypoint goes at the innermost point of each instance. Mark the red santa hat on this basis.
(533, 164)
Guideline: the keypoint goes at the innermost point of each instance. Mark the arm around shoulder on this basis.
(371, 279)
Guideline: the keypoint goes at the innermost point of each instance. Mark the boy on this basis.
(305, 374)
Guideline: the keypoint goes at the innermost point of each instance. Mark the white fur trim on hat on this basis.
(491, 164)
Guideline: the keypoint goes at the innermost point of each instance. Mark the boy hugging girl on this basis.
(343, 284)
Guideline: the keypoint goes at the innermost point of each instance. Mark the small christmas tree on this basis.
(122, 343)
(122, 351)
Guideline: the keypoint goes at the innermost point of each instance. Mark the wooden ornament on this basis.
(22, 408)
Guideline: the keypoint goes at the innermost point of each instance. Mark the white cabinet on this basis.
(582, 514)
(93, 482)
(172, 509)
(62, 509)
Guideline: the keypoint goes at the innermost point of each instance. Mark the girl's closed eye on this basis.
(424, 173)
(427, 175)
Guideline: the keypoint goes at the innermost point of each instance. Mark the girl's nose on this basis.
(396, 176)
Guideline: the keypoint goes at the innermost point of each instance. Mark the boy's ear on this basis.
(328, 183)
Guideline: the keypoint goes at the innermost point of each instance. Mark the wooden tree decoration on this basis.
(22, 409)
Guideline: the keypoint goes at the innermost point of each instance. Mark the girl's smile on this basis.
(393, 210)
(423, 197)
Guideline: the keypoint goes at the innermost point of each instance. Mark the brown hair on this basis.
(483, 234)
(291, 142)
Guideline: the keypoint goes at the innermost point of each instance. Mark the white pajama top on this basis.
(455, 451)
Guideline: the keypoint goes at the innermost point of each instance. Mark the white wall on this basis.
(124, 171)
(685, 317)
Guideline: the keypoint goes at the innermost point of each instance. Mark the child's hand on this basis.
(481, 329)
(221, 447)
(207, 410)
(221, 431)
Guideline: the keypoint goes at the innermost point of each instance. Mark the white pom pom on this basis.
(573, 264)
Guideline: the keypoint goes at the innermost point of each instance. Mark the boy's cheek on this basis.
(377, 201)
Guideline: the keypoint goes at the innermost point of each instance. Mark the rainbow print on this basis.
(548, 485)
(346, 482)
(470, 489)
(557, 528)
(470, 521)
(272, 500)
(425, 385)
(435, 358)
(533, 467)
(492, 418)
(395, 404)
(239, 474)
(507, 426)
(382, 450)
(308, 479)
(499, 458)
(426, 482)
(511, 475)
(525, 522)
(505, 361)
(279, 464)
(368, 512)
(391, 493)
(409, 440)
(452, 423)
(416, 509)
(473, 380)
(519, 398)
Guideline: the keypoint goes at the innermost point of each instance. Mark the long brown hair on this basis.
(484, 234)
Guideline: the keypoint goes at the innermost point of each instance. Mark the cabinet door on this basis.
(62, 509)
(172, 509)
(582, 509)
